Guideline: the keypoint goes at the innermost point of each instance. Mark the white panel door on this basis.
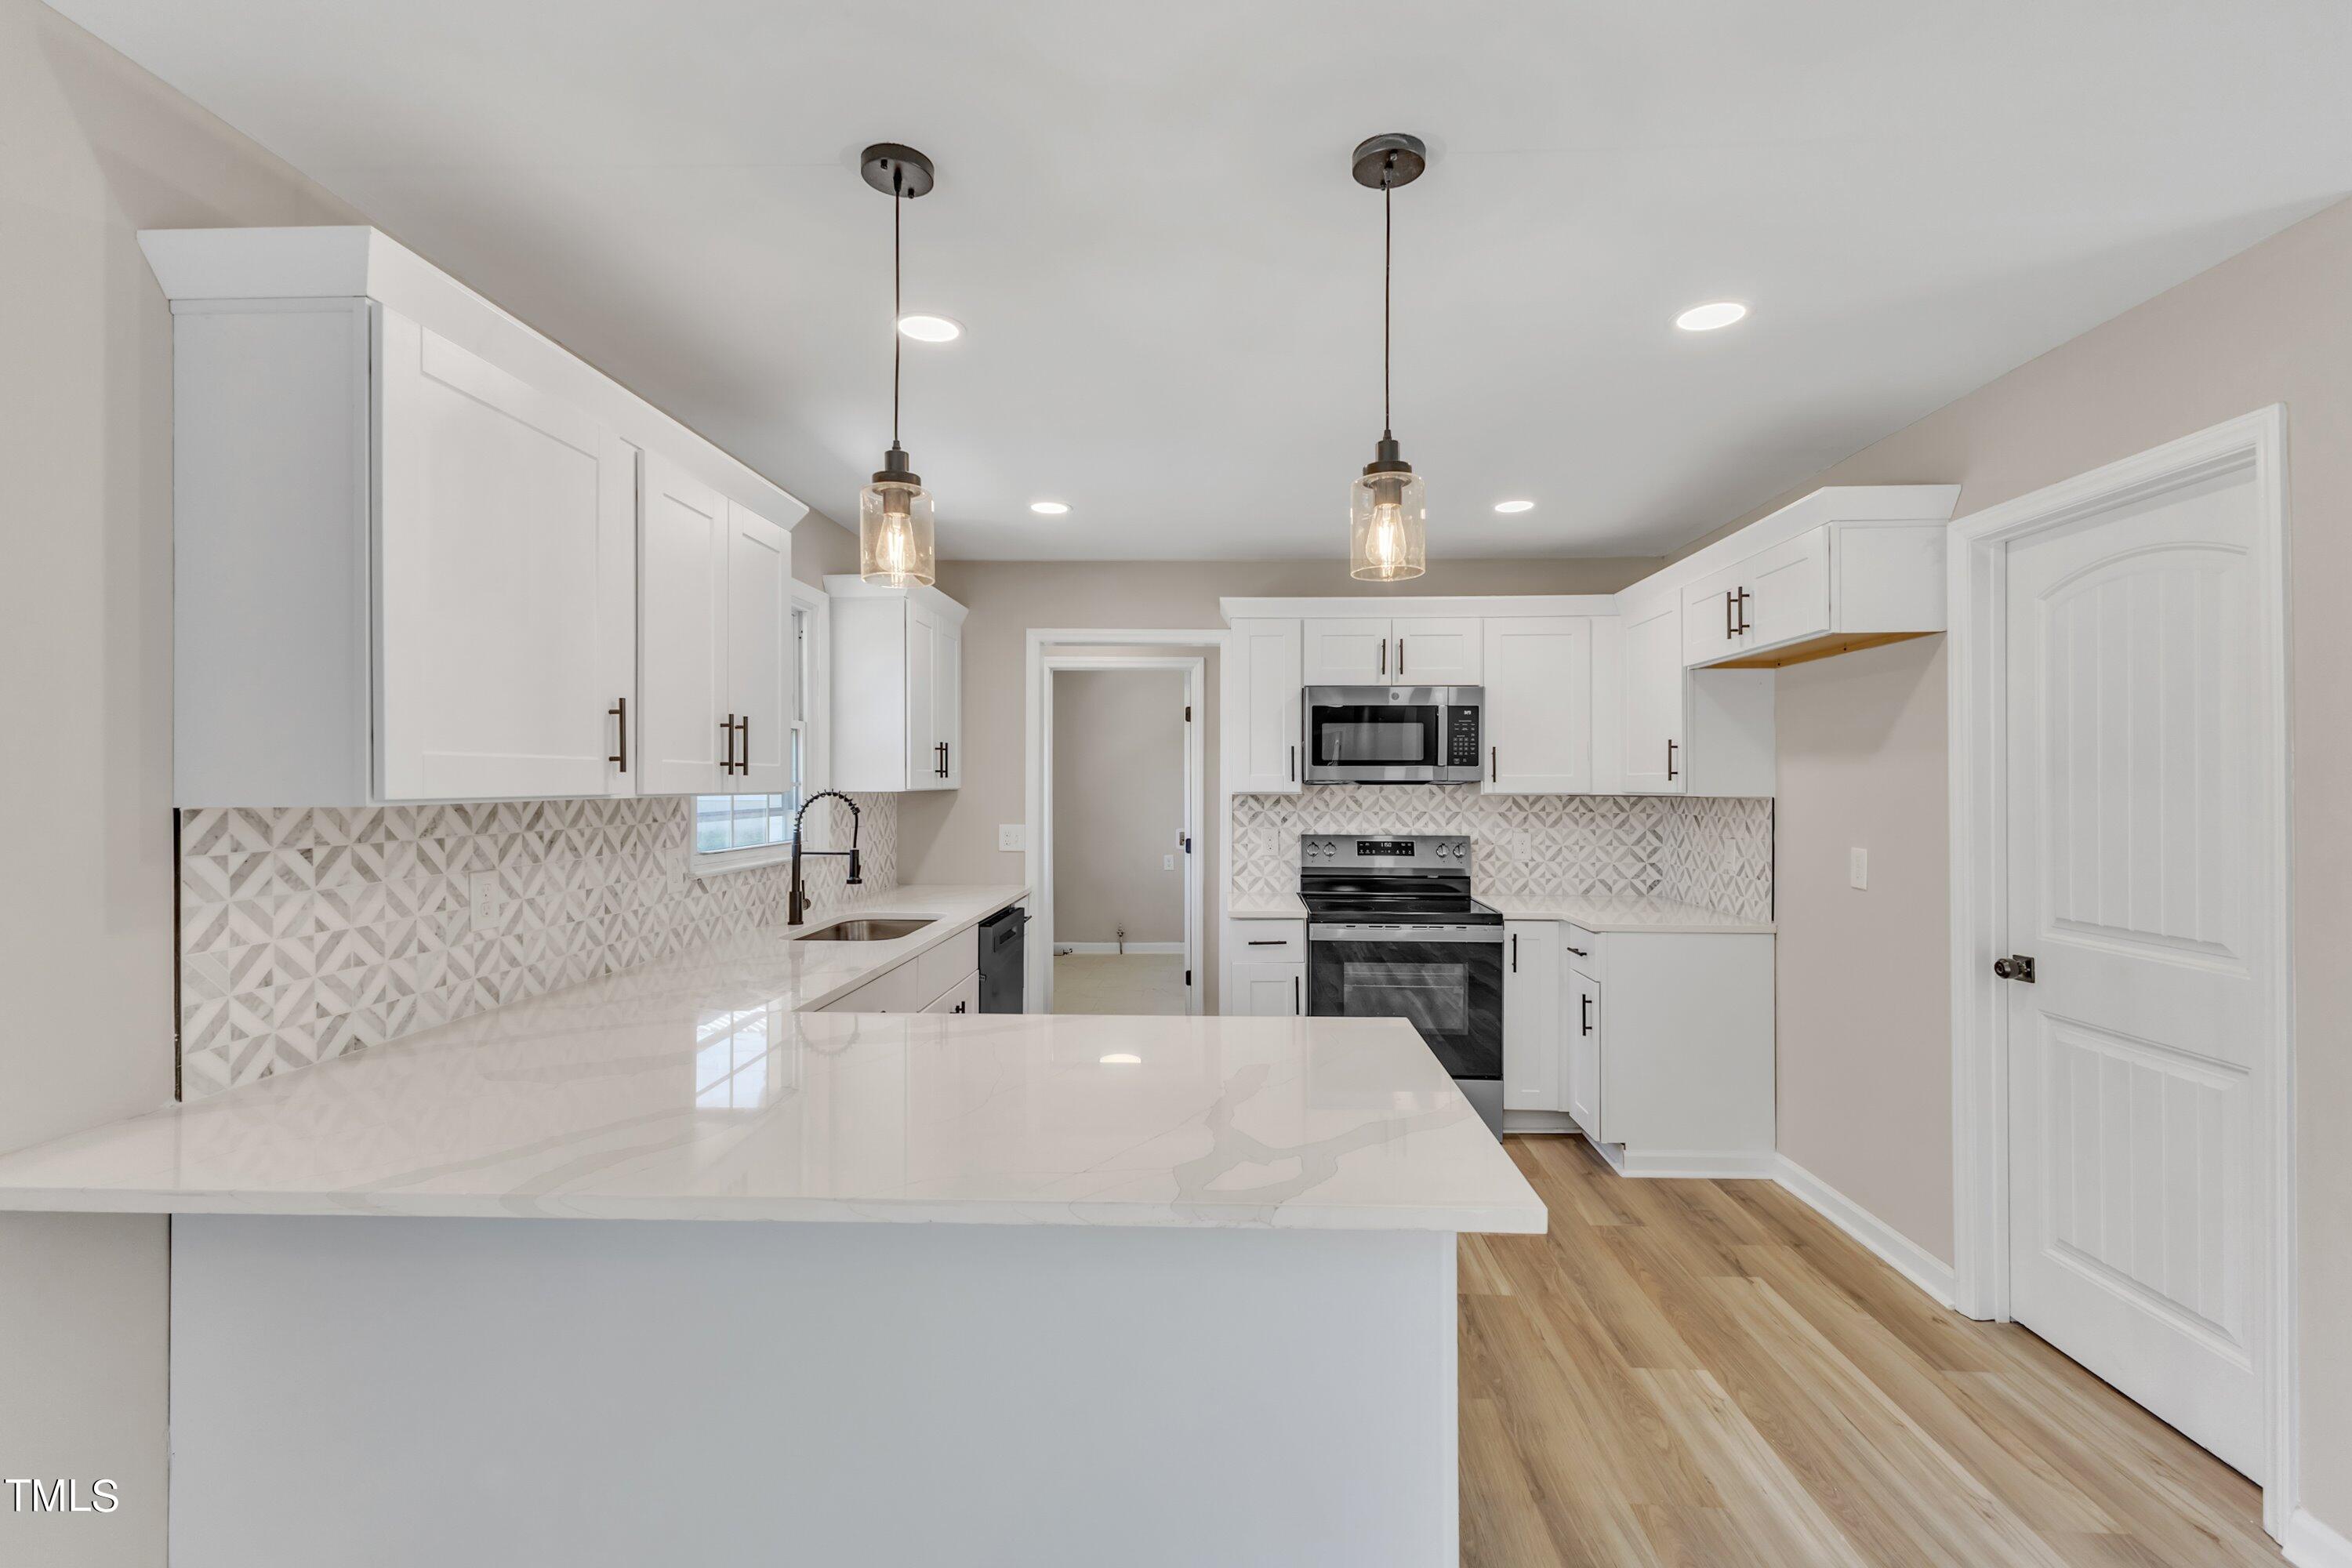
(1787, 591)
(1533, 1064)
(1655, 761)
(1538, 715)
(506, 599)
(2139, 871)
(947, 700)
(1265, 682)
(682, 619)
(1582, 1092)
(1350, 651)
(924, 768)
(761, 677)
(1438, 651)
(1268, 991)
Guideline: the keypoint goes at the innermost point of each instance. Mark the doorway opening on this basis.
(1117, 878)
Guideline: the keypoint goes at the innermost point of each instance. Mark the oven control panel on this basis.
(1361, 852)
(1462, 737)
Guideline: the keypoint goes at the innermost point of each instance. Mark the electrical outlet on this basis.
(1857, 868)
(1012, 835)
(1523, 845)
(483, 887)
(1168, 862)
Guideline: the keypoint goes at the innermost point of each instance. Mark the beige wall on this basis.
(94, 150)
(1119, 804)
(821, 545)
(2271, 325)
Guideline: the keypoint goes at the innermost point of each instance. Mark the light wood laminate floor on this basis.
(1708, 1374)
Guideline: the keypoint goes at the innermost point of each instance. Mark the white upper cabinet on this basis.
(682, 720)
(1376, 650)
(1657, 761)
(1262, 723)
(406, 537)
(762, 673)
(897, 687)
(1439, 651)
(1346, 651)
(1538, 705)
(1824, 591)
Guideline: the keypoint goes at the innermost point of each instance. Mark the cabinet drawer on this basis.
(1268, 941)
(943, 966)
(898, 990)
(1583, 950)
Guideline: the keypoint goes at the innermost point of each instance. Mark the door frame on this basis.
(1976, 590)
(1037, 858)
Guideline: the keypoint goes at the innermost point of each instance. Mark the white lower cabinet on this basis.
(944, 978)
(1255, 990)
(1656, 1042)
(1533, 1071)
(964, 996)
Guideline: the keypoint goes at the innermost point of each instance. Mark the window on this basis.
(724, 823)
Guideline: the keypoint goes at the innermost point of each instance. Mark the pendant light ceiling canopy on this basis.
(896, 545)
(1387, 513)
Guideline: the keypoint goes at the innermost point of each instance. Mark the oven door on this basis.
(1374, 735)
(1445, 981)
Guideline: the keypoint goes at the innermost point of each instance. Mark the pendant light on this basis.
(895, 543)
(1387, 513)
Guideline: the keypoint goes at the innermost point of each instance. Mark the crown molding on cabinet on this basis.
(352, 262)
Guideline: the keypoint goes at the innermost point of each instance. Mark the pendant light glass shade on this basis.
(895, 543)
(1388, 530)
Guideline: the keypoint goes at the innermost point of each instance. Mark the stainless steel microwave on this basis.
(1392, 734)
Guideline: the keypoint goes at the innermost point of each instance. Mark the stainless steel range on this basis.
(1392, 933)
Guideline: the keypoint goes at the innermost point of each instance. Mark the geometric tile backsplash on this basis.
(309, 931)
(1710, 851)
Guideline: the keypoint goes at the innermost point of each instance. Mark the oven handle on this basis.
(1490, 935)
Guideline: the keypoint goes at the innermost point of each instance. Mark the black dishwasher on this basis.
(1002, 949)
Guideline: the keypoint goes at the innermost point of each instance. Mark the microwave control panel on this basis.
(1462, 738)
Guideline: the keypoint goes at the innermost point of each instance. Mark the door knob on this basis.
(2016, 966)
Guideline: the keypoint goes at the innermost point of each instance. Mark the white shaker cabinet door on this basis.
(947, 700)
(1656, 760)
(682, 548)
(506, 601)
(1582, 1031)
(1263, 683)
(761, 677)
(924, 769)
(1539, 714)
(1268, 991)
(1347, 651)
(1434, 651)
(1532, 1066)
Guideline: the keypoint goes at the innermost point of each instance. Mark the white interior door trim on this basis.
(1979, 683)
(1037, 865)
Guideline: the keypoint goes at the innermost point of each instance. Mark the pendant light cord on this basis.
(1388, 274)
(898, 199)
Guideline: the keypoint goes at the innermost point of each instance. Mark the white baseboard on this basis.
(1114, 947)
(1893, 1248)
(2311, 1544)
(1706, 1164)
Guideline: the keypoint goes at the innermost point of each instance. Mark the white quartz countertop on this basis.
(702, 1087)
(1605, 912)
(1278, 907)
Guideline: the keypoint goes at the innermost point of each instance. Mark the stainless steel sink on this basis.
(866, 931)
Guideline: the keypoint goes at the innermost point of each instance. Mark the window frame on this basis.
(811, 727)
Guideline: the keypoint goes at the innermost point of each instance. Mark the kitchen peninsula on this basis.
(1195, 1272)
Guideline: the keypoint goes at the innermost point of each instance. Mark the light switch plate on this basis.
(483, 887)
(1168, 862)
(1012, 835)
(1857, 868)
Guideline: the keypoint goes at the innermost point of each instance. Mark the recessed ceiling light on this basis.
(1122, 1059)
(1707, 318)
(930, 329)
(1514, 506)
(1049, 508)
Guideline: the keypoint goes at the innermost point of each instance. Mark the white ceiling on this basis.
(1171, 286)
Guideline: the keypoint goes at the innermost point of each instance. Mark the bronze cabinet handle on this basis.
(1584, 1011)
(1514, 953)
(1729, 631)
(1297, 1003)
(727, 729)
(1384, 656)
(620, 710)
(1742, 599)
(1494, 765)
(1269, 942)
(1670, 757)
(1399, 658)
(1294, 765)
(743, 765)
(1580, 953)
